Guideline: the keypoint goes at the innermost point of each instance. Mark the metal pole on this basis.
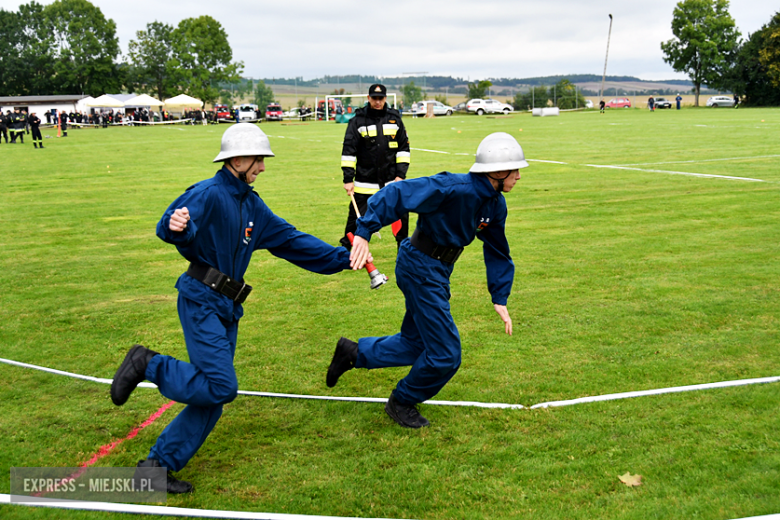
(604, 76)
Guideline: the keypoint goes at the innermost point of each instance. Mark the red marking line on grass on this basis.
(108, 448)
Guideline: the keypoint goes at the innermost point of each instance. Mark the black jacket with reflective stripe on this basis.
(373, 140)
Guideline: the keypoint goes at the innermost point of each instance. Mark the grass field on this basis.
(626, 279)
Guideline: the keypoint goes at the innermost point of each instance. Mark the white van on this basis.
(247, 112)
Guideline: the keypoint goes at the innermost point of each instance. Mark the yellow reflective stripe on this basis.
(392, 144)
(366, 188)
(403, 157)
(372, 131)
(348, 161)
(390, 129)
(366, 191)
(363, 131)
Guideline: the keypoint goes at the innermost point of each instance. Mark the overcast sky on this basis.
(469, 39)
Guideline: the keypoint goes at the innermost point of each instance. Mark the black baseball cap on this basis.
(377, 90)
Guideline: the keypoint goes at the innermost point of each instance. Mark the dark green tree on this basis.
(85, 48)
(534, 98)
(154, 68)
(26, 52)
(749, 77)
(566, 95)
(705, 42)
(412, 93)
(769, 55)
(204, 54)
(479, 90)
(263, 95)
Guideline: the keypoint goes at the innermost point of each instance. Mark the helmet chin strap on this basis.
(499, 181)
(242, 175)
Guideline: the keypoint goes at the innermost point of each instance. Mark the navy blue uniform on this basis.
(228, 222)
(453, 209)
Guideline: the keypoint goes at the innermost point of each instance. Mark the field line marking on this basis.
(431, 151)
(703, 160)
(551, 162)
(166, 511)
(676, 389)
(108, 448)
(675, 173)
(606, 397)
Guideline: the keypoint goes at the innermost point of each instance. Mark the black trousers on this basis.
(4, 133)
(36, 134)
(15, 132)
(362, 204)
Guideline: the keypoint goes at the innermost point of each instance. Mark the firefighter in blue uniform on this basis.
(453, 209)
(216, 225)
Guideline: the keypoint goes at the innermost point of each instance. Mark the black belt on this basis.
(424, 243)
(220, 282)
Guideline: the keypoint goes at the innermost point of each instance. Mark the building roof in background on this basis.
(21, 100)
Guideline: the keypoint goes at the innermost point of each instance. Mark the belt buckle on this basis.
(243, 294)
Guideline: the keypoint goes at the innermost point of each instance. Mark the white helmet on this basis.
(498, 152)
(244, 140)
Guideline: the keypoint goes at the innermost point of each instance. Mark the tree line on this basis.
(707, 46)
(70, 47)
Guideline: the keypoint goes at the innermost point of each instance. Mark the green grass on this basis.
(625, 280)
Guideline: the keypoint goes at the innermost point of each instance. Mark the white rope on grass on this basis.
(642, 393)
(162, 510)
(550, 404)
(268, 394)
(209, 513)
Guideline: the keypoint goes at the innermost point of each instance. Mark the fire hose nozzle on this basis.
(377, 278)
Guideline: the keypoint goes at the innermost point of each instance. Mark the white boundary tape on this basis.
(642, 393)
(209, 513)
(675, 173)
(554, 404)
(269, 394)
(702, 160)
(167, 511)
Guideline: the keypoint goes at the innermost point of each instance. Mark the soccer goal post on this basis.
(393, 104)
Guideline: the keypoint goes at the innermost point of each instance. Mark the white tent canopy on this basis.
(143, 101)
(105, 101)
(183, 100)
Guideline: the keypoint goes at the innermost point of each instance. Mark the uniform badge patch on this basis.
(248, 233)
(483, 224)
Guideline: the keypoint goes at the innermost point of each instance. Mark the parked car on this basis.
(720, 101)
(439, 109)
(273, 112)
(620, 102)
(460, 107)
(662, 102)
(247, 112)
(223, 112)
(488, 106)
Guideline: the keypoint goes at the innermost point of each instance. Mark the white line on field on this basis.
(551, 162)
(702, 160)
(160, 510)
(591, 399)
(432, 151)
(675, 173)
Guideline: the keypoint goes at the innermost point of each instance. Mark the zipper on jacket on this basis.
(240, 225)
